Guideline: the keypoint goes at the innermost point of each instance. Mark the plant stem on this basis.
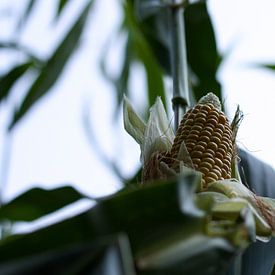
(179, 67)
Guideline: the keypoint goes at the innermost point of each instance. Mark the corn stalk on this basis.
(178, 55)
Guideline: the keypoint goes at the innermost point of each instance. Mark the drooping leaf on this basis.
(9, 79)
(38, 202)
(54, 67)
(109, 255)
(198, 255)
(154, 217)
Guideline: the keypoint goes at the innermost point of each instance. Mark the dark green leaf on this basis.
(143, 52)
(268, 66)
(38, 202)
(167, 234)
(9, 79)
(54, 67)
(61, 5)
(146, 214)
(106, 256)
(198, 255)
(121, 82)
(156, 219)
(202, 53)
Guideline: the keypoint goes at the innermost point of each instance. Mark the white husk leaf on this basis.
(154, 136)
(133, 124)
(158, 135)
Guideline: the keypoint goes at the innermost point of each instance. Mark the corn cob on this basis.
(208, 137)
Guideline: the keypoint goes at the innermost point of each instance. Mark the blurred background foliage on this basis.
(146, 44)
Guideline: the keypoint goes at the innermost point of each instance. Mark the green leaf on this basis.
(61, 5)
(111, 255)
(143, 52)
(202, 53)
(121, 83)
(9, 79)
(22, 49)
(146, 214)
(198, 255)
(155, 218)
(29, 8)
(54, 67)
(38, 202)
(268, 66)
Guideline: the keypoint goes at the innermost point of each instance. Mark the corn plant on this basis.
(188, 211)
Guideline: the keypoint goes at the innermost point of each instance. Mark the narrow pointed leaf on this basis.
(54, 67)
(202, 53)
(268, 66)
(61, 5)
(144, 54)
(9, 79)
(38, 202)
(29, 8)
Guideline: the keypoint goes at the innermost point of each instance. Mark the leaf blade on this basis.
(9, 79)
(54, 67)
(38, 202)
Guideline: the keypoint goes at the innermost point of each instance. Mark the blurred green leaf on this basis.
(61, 5)
(22, 49)
(9, 79)
(121, 83)
(110, 255)
(29, 7)
(54, 67)
(268, 66)
(157, 206)
(38, 202)
(197, 255)
(202, 53)
(142, 51)
(156, 218)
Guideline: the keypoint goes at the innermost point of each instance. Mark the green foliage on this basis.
(167, 233)
(53, 68)
(8, 80)
(61, 5)
(38, 202)
(107, 256)
(202, 53)
(137, 49)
